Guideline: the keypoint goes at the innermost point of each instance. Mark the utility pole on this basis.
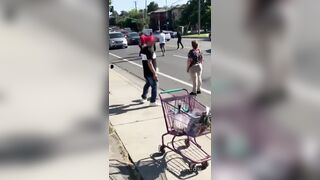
(135, 5)
(199, 23)
(166, 15)
(145, 11)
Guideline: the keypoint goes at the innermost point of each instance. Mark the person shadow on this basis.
(117, 109)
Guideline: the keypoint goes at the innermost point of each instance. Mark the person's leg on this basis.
(199, 78)
(162, 48)
(154, 47)
(181, 44)
(145, 89)
(193, 76)
(153, 85)
(178, 44)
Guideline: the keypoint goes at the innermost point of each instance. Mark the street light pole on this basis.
(199, 8)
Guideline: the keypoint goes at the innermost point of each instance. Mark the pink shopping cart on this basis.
(185, 116)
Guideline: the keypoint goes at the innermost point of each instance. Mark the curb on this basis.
(131, 166)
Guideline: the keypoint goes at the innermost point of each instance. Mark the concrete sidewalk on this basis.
(140, 128)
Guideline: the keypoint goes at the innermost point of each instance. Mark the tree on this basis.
(152, 7)
(132, 19)
(123, 13)
(190, 14)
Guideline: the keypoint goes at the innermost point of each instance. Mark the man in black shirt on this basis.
(149, 71)
(179, 40)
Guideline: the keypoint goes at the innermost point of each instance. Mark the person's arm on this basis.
(150, 65)
(188, 64)
(200, 56)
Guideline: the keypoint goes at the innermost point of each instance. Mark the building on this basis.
(158, 19)
(165, 18)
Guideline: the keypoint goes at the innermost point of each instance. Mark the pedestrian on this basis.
(141, 42)
(179, 40)
(194, 67)
(150, 72)
(152, 38)
(162, 41)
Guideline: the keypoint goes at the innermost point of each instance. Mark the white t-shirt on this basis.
(162, 38)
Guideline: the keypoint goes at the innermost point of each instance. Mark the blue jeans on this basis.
(150, 82)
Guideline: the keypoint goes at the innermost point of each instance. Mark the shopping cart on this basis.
(185, 116)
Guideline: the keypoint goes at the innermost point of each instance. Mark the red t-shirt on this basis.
(142, 39)
(152, 38)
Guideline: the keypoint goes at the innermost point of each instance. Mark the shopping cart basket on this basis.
(185, 116)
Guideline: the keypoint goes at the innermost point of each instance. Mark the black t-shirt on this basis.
(179, 35)
(147, 54)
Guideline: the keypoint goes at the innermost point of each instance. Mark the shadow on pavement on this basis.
(154, 167)
(120, 108)
(120, 170)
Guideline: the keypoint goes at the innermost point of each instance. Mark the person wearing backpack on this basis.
(194, 67)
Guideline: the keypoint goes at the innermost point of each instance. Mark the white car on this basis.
(117, 40)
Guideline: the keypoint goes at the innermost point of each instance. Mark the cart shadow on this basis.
(117, 109)
(155, 166)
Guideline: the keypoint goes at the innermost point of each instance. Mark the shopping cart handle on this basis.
(172, 90)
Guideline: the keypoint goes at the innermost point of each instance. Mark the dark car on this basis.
(133, 38)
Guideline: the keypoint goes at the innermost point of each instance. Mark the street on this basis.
(172, 66)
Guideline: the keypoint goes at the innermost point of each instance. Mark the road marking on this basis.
(181, 56)
(162, 74)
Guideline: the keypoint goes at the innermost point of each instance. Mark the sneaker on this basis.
(193, 94)
(154, 104)
(143, 98)
(198, 92)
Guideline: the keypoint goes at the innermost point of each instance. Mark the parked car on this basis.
(147, 31)
(157, 35)
(133, 38)
(124, 32)
(173, 34)
(117, 40)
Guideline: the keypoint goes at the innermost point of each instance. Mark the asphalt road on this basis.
(172, 66)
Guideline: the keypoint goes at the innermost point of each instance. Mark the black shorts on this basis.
(162, 45)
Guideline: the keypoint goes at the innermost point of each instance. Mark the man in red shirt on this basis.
(142, 42)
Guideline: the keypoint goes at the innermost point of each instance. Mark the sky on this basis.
(120, 5)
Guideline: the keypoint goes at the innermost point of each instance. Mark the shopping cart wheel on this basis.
(204, 165)
(161, 149)
(193, 167)
(187, 142)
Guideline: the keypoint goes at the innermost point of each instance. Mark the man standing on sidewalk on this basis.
(149, 71)
(179, 40)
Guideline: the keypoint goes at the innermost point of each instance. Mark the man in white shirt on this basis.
(162, 40)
